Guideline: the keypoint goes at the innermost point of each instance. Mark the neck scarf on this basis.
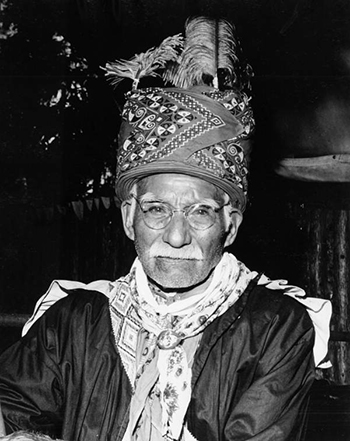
(168, 327)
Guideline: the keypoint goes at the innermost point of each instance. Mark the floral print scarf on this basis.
(168, 327)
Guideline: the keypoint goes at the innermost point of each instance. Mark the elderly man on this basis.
(191, 344)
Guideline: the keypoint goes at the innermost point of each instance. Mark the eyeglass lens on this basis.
(158, 215)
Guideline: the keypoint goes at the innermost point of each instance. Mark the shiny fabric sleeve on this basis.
(274, 406)
(259, 389)
(51, 378)
(31, 385)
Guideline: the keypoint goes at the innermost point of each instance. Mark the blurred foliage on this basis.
(57, 112)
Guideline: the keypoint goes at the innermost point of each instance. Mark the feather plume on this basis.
(211, 56)
(146, 63)
(210, 45)
(198, 58)
(227, 51)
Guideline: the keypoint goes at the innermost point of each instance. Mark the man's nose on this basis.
(177, 232)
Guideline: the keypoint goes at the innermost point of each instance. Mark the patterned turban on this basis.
(201, 132)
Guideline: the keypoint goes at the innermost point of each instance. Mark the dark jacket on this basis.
(250, 378)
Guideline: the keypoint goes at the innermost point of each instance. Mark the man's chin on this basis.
(177, 273)
(171, 274)
(180, 280)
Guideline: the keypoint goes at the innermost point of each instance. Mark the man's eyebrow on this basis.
(211, 202)
(149, 197)
(206, 201)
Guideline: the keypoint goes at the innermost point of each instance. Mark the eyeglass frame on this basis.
(173, 210)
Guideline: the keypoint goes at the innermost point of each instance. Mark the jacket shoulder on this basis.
(276, 305)
(78, 308)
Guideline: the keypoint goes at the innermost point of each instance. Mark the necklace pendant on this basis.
(168, 339)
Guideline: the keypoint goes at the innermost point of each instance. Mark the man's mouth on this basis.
(176, 258)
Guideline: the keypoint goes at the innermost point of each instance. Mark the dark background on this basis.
(59, 120)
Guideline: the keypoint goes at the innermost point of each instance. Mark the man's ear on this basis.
(128, 219)
(236, 220)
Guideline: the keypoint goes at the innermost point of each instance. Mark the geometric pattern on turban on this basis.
(201, 132)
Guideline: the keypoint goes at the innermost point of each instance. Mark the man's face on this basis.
(179, 256)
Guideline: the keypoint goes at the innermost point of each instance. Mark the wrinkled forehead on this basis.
(179, 187)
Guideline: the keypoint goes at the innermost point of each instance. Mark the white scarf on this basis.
(171, 324)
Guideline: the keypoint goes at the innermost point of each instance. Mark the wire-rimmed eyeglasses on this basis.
(157, 214)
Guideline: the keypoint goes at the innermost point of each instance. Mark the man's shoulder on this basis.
(65, 297)
(72, 316)
(78, 302)
(80, 297)
(273, 304)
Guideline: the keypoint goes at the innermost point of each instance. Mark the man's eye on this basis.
(155, 209)
(202, 211)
